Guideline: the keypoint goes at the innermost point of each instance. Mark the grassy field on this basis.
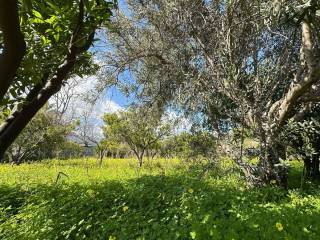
(166, 199)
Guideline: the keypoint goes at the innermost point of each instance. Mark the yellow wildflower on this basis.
(190, 190)
(112, 237)
(279, 226)
(125, 208)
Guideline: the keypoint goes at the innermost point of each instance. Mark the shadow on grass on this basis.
(156, 207)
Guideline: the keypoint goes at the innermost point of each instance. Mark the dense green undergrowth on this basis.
(75, 199)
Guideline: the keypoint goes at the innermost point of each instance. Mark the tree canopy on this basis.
(236, 64)
(58, 35)
(140, 129)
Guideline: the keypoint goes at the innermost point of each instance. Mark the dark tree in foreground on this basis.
(60, 34)
(14, 46)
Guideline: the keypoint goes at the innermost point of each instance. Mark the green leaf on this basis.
(44, 40)
(37, 20)
(53, 6)
(51, 20)
(56, 37)
(37, 14)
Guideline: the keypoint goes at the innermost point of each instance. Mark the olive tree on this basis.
(141, 129)
(238, 64)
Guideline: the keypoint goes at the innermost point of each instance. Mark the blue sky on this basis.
(113, 93)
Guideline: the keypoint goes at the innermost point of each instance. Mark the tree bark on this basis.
(280, 111)
(101, 156)
(315, 174)
(11, 128)
(275, 171)
(311, 165)
(140, 159)
(37, 97)
(14, 46)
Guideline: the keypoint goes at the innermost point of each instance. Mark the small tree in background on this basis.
(188, 146)
(88, 131)
(140, 128)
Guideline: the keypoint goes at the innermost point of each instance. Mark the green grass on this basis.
(165, 199)
(82, 171)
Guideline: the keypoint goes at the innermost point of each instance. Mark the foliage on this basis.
(303, 140)
(190, 145)
(68, 149)
(121, 201)
(141, 129)
(303, 137)
(58, 37)
(42, 138)
(114, 148)
(228, 64)
(47, 27)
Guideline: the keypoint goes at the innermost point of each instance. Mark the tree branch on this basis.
(297, 90)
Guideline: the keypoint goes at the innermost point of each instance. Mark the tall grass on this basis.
(84, 170)
(165, 199)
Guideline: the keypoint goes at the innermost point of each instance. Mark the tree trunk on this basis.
(11, 128)
(275, 152)
(281, 110)
(101, 156)
(140, 159)
(311, 165)
(153, 154)
(14, 46)
(36, 99)
(315, 174)
(268, 168)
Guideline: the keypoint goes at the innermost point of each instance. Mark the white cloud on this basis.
(106, 106)
(111, 106)
(85, 85)
(81, 107)
(96, 113)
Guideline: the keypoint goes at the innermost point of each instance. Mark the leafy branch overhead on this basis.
(58, 35)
